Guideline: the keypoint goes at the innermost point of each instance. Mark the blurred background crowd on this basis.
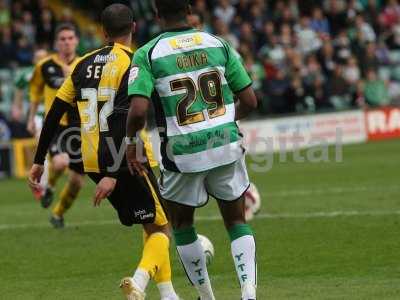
(303, 56)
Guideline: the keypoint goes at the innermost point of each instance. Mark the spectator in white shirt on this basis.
(225, 11)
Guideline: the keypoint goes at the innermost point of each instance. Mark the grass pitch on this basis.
(325, 231)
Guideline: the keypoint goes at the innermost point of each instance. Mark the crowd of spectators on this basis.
(27, 25)
(313, 55)
(302, 55)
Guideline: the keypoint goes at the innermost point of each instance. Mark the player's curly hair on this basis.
(172, 9)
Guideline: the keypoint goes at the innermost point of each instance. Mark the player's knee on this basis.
(60, 163)
(153, 228)
(180, 217)
(60, 166)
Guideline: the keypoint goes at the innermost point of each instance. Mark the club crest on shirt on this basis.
(51, 70)
(133, 74)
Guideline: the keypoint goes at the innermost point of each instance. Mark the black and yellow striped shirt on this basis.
(98, 86)
(48, 76)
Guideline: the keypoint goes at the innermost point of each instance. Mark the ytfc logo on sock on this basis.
(196, 263)
(239, 257)
(198, 271)
(241, 266)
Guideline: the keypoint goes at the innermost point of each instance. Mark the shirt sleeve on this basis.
(67, 91)
(49, 129)
(235, 73)
(141, 80)
(36, 85)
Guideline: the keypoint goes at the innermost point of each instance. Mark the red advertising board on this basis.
(383, 123)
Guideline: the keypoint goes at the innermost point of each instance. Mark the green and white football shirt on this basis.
(191, 77)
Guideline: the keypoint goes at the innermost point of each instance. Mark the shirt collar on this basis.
(126, 48)
(178, 29)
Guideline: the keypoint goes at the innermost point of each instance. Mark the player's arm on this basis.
(17, 105)
(240, 84)
(16, 109)
(64, 99)
(246, 104)
(140, 88)
(49, 129)
(36, 88)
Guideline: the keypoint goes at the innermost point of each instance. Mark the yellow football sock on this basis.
(67, 197)
(53, 175)
(155, 256)
(164, 272)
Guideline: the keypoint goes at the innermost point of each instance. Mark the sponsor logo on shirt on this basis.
(184, 42)
(103, 59)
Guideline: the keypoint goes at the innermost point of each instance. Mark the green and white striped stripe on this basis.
(191, 146)
(210, 143)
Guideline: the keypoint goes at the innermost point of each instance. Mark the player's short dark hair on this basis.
(117, 20)
(66, 26)
(172, 9)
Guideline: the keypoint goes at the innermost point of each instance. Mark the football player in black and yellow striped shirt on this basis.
(98, 88)
(48, 76)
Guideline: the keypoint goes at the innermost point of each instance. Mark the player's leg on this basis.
(69, 145)
(67, 197)
(186, 192)
(58, 162)
(243, 246)
(155, 260)
(228, 184)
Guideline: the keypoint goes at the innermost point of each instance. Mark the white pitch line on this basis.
(329, 190)
(311, 215)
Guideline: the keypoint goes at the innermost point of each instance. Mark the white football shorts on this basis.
(226, 183)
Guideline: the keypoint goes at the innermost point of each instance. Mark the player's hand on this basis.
(103, 189)
(35, 174)
(31, 127)
(134, 165)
